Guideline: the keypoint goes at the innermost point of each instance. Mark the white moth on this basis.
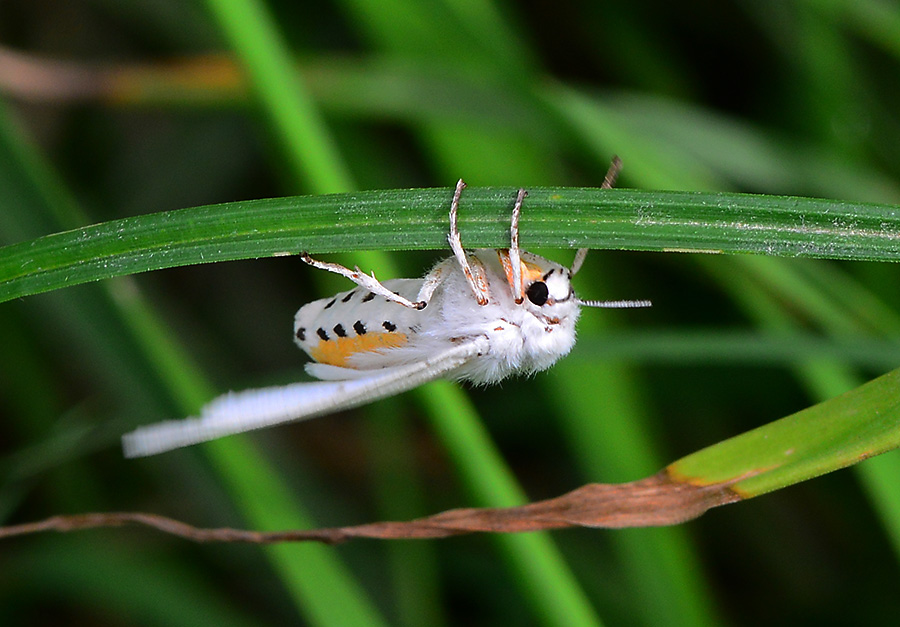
(478, 316)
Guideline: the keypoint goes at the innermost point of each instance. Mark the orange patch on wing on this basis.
(335, 352)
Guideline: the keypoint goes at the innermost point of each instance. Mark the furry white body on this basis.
(521, 338)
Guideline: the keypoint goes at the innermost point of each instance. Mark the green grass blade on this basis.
(338, 600)
(103, 576)
(339, 597)
(834, 434)
(730, 347)
(762, 291)
(398, 486)
(605, 131)
(416, 219)
(539, 566)
(750, 156)
(309, 147)
(327, 592)
(675, 592)
(874, 20)
(325, 589)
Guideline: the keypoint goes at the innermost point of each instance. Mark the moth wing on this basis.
(366, 363)
(237, 412)
(327, 372)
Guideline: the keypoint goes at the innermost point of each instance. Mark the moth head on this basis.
(547, 289)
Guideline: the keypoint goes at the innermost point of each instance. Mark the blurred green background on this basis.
(108, 112)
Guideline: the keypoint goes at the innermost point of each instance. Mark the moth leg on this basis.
(433, 279)
(515, 260)
(363, 280)
(474, 276)
(608, 182)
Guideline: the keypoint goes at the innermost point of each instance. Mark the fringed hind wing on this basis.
(237, 412)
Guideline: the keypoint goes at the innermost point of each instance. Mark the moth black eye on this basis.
(537, 293)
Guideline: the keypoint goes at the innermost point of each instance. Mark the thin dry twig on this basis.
(36, 78)
(655, 501)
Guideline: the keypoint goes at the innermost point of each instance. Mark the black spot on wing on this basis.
(348, 296)
(339, 330)
(359, 327)
(389, 326)
(322, 333)
(368, 297)
(546, 276)
(301, 334)
(330, 303)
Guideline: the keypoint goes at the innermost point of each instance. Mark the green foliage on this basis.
(410, 219)
(789, 98)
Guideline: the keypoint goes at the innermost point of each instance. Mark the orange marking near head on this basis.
(530, 272)
(335, 352)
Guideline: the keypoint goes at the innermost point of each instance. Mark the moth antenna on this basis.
(612, 173)
(580, 256)
(608, 182)
(614, 304)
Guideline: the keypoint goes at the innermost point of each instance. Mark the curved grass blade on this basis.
(840, 432)
(416, 219)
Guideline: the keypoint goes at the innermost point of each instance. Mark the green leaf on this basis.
(834, 434)
(417, 219)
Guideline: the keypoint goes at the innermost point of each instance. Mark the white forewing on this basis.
(237, 412)
(327, 372)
